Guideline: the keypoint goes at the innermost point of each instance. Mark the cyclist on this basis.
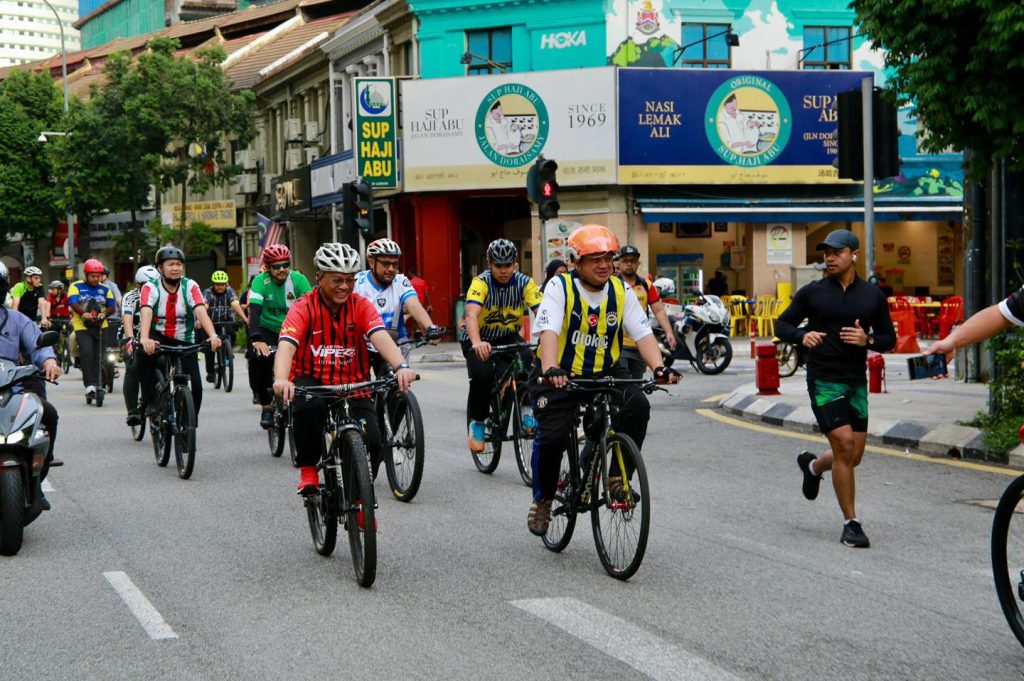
(580, 324)
(324, 341)
(650, 301)
(496, 301)
(392, 293)
(223, 305)
(27, 297)
(170, 308)
(112, 285)
(91, 302)
(57, 300)
(129, 325)
(271, 295)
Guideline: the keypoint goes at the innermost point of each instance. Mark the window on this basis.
(826, 48)
(490, 51)
(706, 47)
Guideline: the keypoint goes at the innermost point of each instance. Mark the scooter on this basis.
(702, 336)
(24, 444)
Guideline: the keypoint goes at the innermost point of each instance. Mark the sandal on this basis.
(539, 517)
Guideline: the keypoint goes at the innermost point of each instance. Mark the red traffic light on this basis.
(548, 190)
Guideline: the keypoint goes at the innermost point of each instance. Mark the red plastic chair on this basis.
(950, 314)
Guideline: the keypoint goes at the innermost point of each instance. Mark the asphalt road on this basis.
(743, 578)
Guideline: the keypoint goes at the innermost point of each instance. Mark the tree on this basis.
(956, 63)
(200, 238)
(29, 104)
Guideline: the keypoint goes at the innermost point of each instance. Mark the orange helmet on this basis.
(592, 240)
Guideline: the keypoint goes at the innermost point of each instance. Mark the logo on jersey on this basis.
(381, 302)
(323, 352)
(612, 319)
(290, 296)
(542, 402)
(592, 319)
(496, 318)
(290, 329)
(589, 340)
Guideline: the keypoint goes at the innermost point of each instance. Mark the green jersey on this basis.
(276, 299)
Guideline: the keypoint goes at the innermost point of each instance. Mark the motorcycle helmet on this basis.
(146, 274)
(93, 266)
(219, 277)
(665, 286)
(592, 240)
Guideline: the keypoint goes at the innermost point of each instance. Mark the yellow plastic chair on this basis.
(778, 306)
(759, 323)
(737, 314)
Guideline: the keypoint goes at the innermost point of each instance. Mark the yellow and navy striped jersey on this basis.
(591, 337)
(503, 305)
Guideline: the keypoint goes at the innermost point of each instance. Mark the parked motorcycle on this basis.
(702, 336)
(23, 447)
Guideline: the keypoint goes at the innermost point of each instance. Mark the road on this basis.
(743, 578)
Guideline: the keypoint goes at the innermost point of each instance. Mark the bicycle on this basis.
(224, 359)
(282, 429)
(619, 505)
(139, 431)
(176, 420)
(63, 347)
(346, 494)
(106, 360)
(401, 427)
(509, 403)
(1007, 552)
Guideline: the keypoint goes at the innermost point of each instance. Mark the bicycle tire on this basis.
(321, 513)
(358, 496)
(229, 365)
(487, 460)
(292, 451)
(139, 431)
(613, 519)
(1008, 579)
(522, 439)
(786, 354)
(218, 369)
(100, 393)
(276, 433)
(184, 432)
(563, 506)
(405, 473)
(65, 354)
(161, 441)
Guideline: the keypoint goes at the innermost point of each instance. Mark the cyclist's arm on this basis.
(237, 307)
(282, 368)
(14, 302)
(414, 307)
(127, 327)
(44, 311)
(387, 348)
(658, 308)
(473, 323)
(145, 323)
(255, 335)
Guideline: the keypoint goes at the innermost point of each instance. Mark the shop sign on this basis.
(217, 214)
(58, 252)
(484, 132)
(376, 124)
(556, 239)
(729, 127)
(560, 40)
(289, 193)
(780, 244)
(103, 229)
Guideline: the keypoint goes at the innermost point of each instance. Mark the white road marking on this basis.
(47, 487)
(140, 606)
(623, 641)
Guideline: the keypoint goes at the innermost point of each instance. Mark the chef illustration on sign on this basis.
(738, 130)
(505, 136)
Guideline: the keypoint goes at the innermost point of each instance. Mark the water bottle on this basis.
(529, 422)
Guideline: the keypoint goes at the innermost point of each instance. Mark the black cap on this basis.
(840, 238)
(629, 250)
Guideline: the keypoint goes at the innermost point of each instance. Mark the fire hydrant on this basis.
(767, 370)
(876, 373)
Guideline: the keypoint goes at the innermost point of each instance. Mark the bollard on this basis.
(753, 347)
(876, 373)
(767, 370)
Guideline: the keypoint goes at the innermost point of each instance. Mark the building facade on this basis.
(29, 31)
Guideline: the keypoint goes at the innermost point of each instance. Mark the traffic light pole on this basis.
(866, 91)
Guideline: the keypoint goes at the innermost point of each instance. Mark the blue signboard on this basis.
(679, 126)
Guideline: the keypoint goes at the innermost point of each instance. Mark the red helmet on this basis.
(93, 266)
(592, 240)
(276, 253)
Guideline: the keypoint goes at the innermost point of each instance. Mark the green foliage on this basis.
(960, 65)
(1007, 393)
(200, 238)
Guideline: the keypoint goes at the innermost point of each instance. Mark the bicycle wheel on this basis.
(358, 500)
(275, 436)
(1008, 555)
(184, 432)
(487, 460)
(292, 451)
(218, 369)
(524, 426)
(322, 514)
(229, 365)
(158, 430)
(139, 431)
(563, 506)
(621, 516)
(404, 461)
(100, 393)
(65, 354)
(788, 362)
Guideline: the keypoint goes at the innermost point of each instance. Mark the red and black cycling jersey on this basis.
(1013, 308)
(331, 347)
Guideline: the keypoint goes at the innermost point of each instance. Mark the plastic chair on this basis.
(950, 314)
(760, 321)
(737, 314)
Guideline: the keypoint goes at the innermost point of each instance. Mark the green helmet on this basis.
(219, 277)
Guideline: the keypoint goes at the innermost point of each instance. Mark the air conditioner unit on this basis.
(293, 130)
(246, 184)
(312, 154)
(268, 184)
(312, 131)
(293, 159)
(245, 158)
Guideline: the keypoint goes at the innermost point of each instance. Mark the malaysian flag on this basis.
(268, 230)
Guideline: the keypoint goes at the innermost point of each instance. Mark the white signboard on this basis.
(780, 245)
(104, 228)
(556, 239)
(486, 131)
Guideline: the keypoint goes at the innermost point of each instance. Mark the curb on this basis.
(439, 358)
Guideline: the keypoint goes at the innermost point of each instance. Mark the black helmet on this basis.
(629, 250)
(169, 253)
(502, 252)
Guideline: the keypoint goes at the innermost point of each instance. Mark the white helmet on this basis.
(383, 247)
(665, 286)
(335, 257)
(32, 271)
(146, 274)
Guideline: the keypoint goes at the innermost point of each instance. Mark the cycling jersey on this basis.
(1013, 308)
(502, 305)
(173, 313)
(220, 308)
(646, 294)
(590, 324)
(388, 301)
(28, 298)
(86, 295)
(331, 348)
(59, 307)
(276, 299)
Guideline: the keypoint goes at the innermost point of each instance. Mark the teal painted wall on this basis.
(130, 18)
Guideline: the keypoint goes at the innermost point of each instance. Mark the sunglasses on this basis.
(280, 266)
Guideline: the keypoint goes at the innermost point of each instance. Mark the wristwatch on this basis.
(871, 341)
(403, 365)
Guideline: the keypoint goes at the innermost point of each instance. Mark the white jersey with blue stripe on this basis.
(388, 301)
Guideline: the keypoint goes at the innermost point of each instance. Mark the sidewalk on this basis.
(442, 352)
(921, 415)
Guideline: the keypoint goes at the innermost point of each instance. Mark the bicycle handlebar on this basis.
(608, 383)
(509, 347)
(345, 389)
(182, 349)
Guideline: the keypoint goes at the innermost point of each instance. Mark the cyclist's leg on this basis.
(308, 419)
(147, 371)
(554, 411)
(265, 371)
(130, 386)
(363, 410)
(207, 353)
(481, 383)
(191, 364)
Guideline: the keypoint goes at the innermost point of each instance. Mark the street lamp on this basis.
(731, 39)
(42, 138)
(469, 57)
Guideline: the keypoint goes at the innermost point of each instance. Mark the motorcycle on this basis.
(702, 336)
(24, 444)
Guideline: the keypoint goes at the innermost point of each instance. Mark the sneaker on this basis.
(133, 420)
(811, 482)
(209, 377)
(43, 503)
(477, 435)
(90, 390)
(267, 418)
(152, 411)
(309, 481)
(853, 535)
(539, 517)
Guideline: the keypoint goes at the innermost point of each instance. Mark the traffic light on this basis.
(362, 207)
(546, 188)
(348, 228)
(850, 138)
